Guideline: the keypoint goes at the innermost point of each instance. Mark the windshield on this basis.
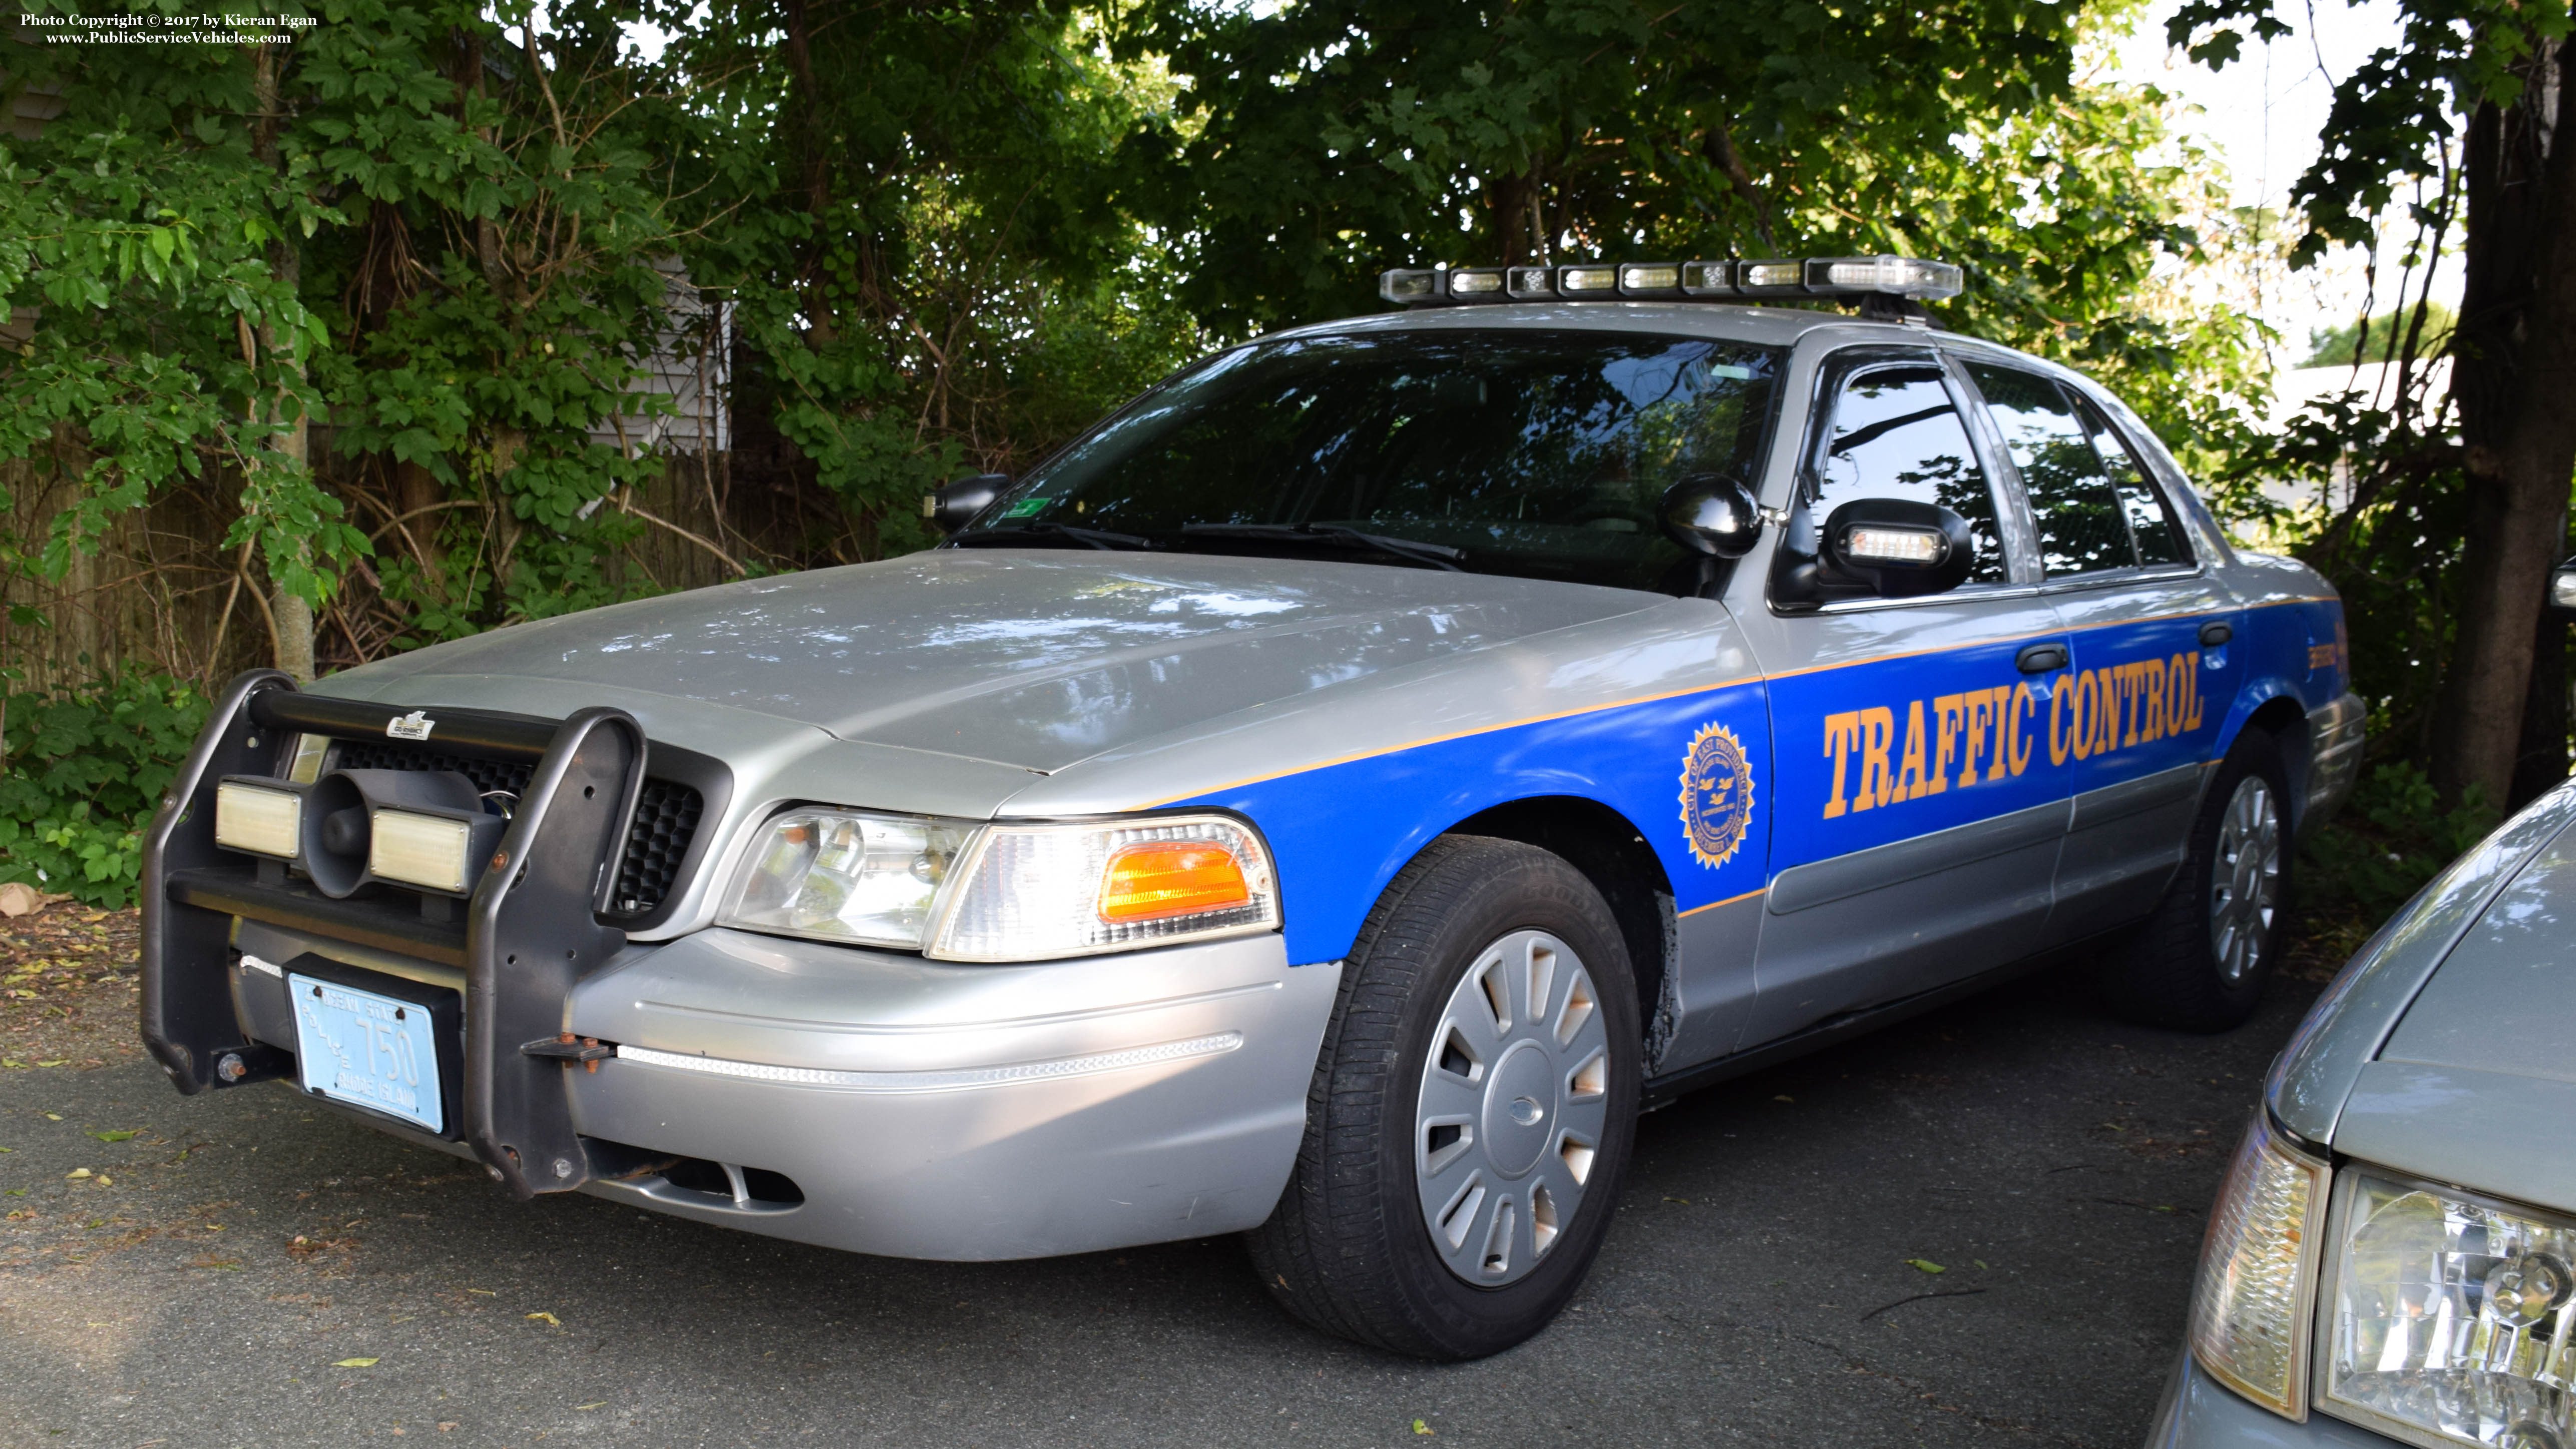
(1534, 453)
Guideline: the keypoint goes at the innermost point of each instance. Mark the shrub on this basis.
(2391, 838)
(81, 772)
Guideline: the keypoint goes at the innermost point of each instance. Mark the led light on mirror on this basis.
(2257, 1282)
(261, 821)
(1034, 892)
(1896, 545)
(845, 875)
(2449, 1318)
(431, 851)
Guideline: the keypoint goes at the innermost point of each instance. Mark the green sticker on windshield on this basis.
(1026, 507)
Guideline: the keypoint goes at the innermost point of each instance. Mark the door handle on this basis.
(2041, 658)
(2215, 633)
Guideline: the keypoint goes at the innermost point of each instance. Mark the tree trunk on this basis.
(291, 613)
(2516, 384)
(2541, 760)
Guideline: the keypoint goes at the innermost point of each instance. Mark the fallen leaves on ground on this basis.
(1925, 1265)
(67, 989)
(354, 1363)
(546, 1318)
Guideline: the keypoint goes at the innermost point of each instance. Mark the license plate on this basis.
(375, 1051)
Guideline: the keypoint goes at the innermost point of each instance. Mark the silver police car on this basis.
(1327, 801)
(2390, 1260)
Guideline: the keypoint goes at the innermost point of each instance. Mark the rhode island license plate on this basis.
(368, 1049)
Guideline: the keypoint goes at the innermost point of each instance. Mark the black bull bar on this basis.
(531, 928)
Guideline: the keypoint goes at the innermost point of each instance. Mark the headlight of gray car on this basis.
(2450, 1319)
(958, 890)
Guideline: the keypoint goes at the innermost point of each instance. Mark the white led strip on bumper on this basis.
(959, 1079)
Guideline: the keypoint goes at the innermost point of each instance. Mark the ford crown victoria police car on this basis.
(1328, 800)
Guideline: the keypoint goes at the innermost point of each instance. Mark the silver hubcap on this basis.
(2244, 880)
(1514, 1100)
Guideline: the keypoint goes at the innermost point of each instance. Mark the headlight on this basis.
(840, 875)
(1031, 892)
(2249, 1317)
(2451, 1319)
(959, 891)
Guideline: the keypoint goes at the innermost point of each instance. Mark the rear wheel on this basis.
(1471, 1114)
(2199, 963)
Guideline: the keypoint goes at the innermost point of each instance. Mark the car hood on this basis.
(1028, 658)
(2475, 1082)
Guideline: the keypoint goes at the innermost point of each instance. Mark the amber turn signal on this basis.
(1171, 878)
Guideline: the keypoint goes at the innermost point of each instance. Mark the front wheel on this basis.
(1471, 1114)
(2199, 963)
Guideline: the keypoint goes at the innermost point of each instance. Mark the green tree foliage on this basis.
(2380, 339)
(139, 230)
(2457, 505)
(913, 209)
(1312, 145)
(79, 774)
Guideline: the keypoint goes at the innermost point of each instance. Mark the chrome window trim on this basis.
(1964, 594)
(2120, 578)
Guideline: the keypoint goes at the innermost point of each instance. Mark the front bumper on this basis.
(858, 1099)
(926, 1110)
(2199, 1412)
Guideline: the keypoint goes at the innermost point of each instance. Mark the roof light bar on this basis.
(1888, 276)
(1775, 277)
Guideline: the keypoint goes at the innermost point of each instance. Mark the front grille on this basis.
(666, 813)
(666, 819)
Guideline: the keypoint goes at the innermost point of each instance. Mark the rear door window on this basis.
(2152, 524)
(2083, 522)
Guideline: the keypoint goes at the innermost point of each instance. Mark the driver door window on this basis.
(1896, 433)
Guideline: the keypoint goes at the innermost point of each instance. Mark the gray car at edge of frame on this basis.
(1328, 801)
(2390, 1259)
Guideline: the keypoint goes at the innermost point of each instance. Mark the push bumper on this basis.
(2199, 1412)
(868, 1100)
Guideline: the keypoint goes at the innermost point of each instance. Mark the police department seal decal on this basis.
(1717, 795)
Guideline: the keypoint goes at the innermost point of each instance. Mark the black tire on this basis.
(2171, 974)
(1349, 1250)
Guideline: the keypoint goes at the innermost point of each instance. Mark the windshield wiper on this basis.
(1438, 555)
(1099, 538)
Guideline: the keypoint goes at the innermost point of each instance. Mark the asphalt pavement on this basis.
(246, 1270)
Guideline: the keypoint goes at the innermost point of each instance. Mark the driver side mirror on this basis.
(1711, 515)
(953, 507)
(2562, 586)
(1898, 548)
